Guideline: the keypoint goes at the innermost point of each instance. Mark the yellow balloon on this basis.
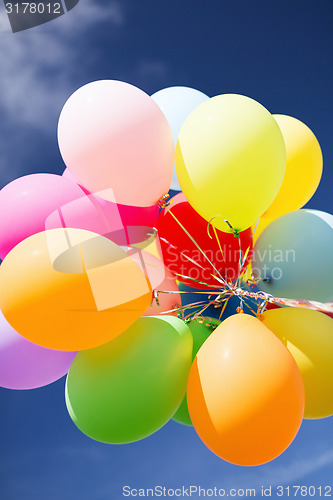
(230, 160)
(309, 337)
(304, 167)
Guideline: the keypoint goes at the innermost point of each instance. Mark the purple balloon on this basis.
(24, 365)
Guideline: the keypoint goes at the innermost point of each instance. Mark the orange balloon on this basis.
(70, 289)
(245, 393)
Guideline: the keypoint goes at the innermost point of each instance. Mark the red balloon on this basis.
(178, 248)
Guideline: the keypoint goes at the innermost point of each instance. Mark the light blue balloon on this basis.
(177, 103)
(294, 256)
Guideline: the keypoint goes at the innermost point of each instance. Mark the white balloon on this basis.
(177, 103)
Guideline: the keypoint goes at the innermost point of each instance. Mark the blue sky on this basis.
(279, 53)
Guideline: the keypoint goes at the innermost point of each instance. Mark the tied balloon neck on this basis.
(232, 229)
(164, 201)
(210, 323)
(155, 299)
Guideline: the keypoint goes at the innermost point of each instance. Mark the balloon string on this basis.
(199, 313)
(181, 253)
(183, 308)
(195, 280)
(232, 229)
(243, 294)
(216, 236)
(255, 227)
(235, 289)
(306, 304)
(223, 308)
(239, 261)
(243, 267)
(210, 292)
(196, 244)
(247, 305)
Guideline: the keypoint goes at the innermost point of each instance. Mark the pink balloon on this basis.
(24, 365)
(27, 202)
(37, 202)
(113, 135)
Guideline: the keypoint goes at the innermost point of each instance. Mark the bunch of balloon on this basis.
(148, 304)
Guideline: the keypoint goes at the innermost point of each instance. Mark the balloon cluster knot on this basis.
(163, 203)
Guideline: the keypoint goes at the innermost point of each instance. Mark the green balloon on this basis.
(130, 387)
(200, 329)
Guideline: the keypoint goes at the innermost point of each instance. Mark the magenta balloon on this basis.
(24, 365)
(130, 216)
(27, 202)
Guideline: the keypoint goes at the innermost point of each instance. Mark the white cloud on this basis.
(297, 469)
(38, 65)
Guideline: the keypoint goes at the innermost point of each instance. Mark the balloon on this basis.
(113, 135)
(245, 393)
(39, 202)
(70, 289)
(230, 160)
(24, 365)
(200, 329)
(144, 217)
(177, 103)
(309, 337)
(294, 256)
(129, 388)
(303, 170)
(177, 247)
(27, 202)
